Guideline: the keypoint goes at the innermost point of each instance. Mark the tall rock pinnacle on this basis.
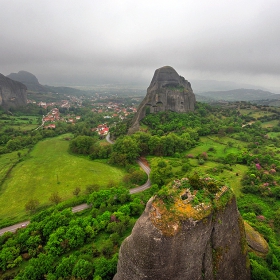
(12, 93)
(186, 242)
(167, 92)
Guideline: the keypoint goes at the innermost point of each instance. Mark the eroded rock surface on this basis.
(167, 92)
(211, 248)
(255, 241)
(12, 93)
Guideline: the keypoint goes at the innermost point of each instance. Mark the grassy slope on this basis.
(50, 168)
(18, 123)
(222, 149)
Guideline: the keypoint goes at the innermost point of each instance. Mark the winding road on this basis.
(83, 206)
(143, 166)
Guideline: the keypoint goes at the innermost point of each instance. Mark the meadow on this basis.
(216, 148)
(255, 113)
(50, 168)
(22, 123)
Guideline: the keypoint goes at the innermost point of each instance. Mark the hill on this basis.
(29, 80)
(241, 94)
(33, 85)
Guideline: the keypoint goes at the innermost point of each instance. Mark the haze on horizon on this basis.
(86, 42)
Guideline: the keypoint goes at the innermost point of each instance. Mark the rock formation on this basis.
(186, 242)
(256, 242)
(29, 80)
(167, 92)
(12, 93)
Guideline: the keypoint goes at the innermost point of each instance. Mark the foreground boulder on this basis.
(12, 93)
(167, 92)
(186, 242)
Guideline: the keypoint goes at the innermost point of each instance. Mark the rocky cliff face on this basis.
(29, 80)
(12, 93)
(210, 247)
(167, 92)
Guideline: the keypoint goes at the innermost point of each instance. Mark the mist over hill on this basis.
(241, 94)
(32, 84)
(200, 86)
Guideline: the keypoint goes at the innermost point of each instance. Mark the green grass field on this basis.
(222, 146)
(22, 123)
(50, 168)
(270, 124)
(8, 160)
(231, 174)
(229, 177)
(255, 113)
(273, 134)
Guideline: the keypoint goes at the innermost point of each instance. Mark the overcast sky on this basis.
(77, 42)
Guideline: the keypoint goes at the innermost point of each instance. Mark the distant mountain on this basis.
(65, 90)
(32, 84)
(200, 86)
(29, 80)
(241, 94)
(204, 99)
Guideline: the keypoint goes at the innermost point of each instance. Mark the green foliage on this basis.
(166, 196)
(105, 269)
(195, 182)
(65, 267)
(161, 173)
(50, 237)
(55, 198)
(82, 269)
(32, 205)
(260, 272)
(76, 191)
(125, 151)
(137, 177)
(82, 145)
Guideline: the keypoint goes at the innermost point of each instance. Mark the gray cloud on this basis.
(89, 42)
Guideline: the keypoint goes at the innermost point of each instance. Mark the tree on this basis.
(55, 198)
(32, 205)
(82, 144)
(106, 269)
(161, 173)
(107, 248)
(65, 267)
(125, 151)
(8, 256)
(38, 267)
(75, 236)
(54, 245)
(82, 269)
(76, 191)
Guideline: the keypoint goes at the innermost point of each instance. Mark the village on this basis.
(61, 112)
